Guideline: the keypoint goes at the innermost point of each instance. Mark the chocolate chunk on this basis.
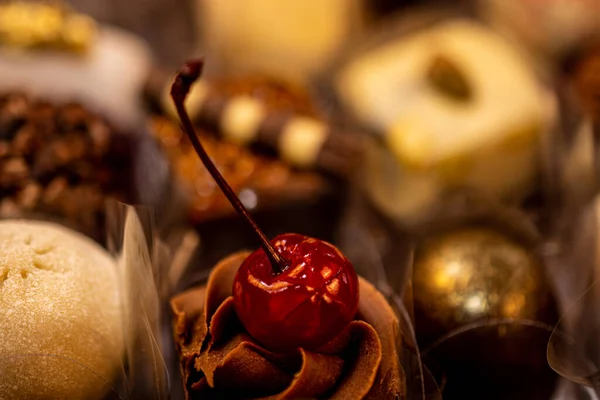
(54, 190)
(41, 115)
(4, 149)
(211, 112)
(270, 130)
(72, 117)
(447, 78)
(13, 171)
(13, 109)
(100, 136)
(341, 153)
(29, 196)
(9, 209)
(24, 141)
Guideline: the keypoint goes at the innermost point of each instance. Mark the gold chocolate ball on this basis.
(483, 306)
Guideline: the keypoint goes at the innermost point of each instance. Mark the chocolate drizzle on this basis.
(218, 359)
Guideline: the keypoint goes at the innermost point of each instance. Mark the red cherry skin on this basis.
(307, 304)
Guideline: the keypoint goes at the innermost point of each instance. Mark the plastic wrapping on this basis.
(132, 239)
(364, 241)
(571, 244)
(141, 372)
(573, 349)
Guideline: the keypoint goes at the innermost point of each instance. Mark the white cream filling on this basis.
(301, 141)
(241, 119)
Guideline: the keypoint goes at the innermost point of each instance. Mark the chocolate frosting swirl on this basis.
(218, 359)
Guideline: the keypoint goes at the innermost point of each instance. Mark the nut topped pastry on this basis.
(219, 358)
(49, 50)
(59, 160)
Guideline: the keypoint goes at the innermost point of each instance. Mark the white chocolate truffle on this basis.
(61, 324)
(433, 142)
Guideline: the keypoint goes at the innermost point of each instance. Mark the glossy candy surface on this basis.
(307, 304)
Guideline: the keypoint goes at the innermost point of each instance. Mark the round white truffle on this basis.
(61, 324)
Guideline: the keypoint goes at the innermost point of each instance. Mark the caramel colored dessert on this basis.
(268, 181)
(260, 181)
(218, 359)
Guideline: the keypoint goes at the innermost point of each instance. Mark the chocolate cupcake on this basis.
(282, 321)
(218, 358)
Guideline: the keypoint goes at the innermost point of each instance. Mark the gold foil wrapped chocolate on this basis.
(483, 309)
(218, 359)
(41, 25)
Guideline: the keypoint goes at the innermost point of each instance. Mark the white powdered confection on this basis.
(61, 324)
(488, 141)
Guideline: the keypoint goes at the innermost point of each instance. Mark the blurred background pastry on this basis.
(452, 105)
(73, 126)
(309, 33)
(49, 50)
(168, 26)
(272, 142)
(61, 161)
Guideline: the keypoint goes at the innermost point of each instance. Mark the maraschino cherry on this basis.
(307, 304)
(295, 291)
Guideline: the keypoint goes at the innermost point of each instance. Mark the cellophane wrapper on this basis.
(132, 239)
(574, 347)
(572, 251)
(364, 240)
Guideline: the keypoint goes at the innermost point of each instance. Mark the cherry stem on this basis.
(190, 72)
